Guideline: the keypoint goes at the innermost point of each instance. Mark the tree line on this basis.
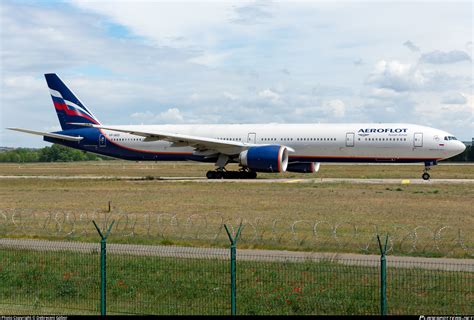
(55, 153)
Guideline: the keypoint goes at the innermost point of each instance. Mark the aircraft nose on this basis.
(459, 147)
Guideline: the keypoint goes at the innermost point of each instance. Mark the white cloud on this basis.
(176, 24)
(404, 77)
(169, 116)
(212, 60)
(228, 62)
(252, 13)
(337, 107)
(143, 116)
(440, 57)
(469, 46)
(454, 98)
(396, 76)
(270, 95)
(383, 93)
(172, 115)
(328, 109)
(230, 96)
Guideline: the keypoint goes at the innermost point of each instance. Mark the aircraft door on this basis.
(350, 139)
(418, 139)
(252, 137)
(102, 141)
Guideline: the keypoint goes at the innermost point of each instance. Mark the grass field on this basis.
(193, 169)
(288, 212)
(68, 282)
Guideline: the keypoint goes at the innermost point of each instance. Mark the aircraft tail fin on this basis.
(68, 107)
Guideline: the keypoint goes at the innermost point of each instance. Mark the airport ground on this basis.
(445, 170)
(297, 206)
(318, 213)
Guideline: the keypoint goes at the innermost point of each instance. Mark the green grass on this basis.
(68, 283)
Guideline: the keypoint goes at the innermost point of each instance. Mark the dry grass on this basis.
(192, 169)
(428, 205)
(364, 205)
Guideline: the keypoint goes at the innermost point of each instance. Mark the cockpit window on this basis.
(449, 138)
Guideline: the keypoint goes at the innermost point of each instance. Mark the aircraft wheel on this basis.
(425, 176)
(211, 174)
(251, 175)
(233, 175)
(243, 175)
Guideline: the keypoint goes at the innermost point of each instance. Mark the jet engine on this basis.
(273, 158)
(303, 167)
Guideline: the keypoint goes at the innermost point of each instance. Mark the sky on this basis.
(157, 62)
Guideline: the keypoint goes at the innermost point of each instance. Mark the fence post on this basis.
(103, 265)
(233, 254)
(383, 276)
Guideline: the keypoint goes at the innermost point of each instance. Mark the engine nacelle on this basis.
(303, 167)
(272, 158)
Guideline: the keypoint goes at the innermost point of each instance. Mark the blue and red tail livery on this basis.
(68, 107)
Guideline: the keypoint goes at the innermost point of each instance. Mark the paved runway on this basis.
(281, 180)
(243, 254)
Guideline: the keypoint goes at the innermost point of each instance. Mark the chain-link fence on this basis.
(54, 277)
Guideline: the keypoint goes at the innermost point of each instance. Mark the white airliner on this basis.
(255, 147)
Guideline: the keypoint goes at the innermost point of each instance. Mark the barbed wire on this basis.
(446, 239)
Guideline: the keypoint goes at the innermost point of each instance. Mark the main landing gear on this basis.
(224, 174)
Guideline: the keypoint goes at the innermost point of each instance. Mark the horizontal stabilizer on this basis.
(48, 134)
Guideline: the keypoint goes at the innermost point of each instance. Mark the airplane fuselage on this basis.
(255, 147)
(358, 142)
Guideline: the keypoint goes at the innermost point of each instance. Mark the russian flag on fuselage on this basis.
(68, 107)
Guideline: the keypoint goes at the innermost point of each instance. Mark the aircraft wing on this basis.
(202, 145)
(49, 134)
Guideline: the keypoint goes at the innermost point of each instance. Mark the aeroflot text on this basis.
(382, 130)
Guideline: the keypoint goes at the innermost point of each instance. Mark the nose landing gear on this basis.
(426, 176)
